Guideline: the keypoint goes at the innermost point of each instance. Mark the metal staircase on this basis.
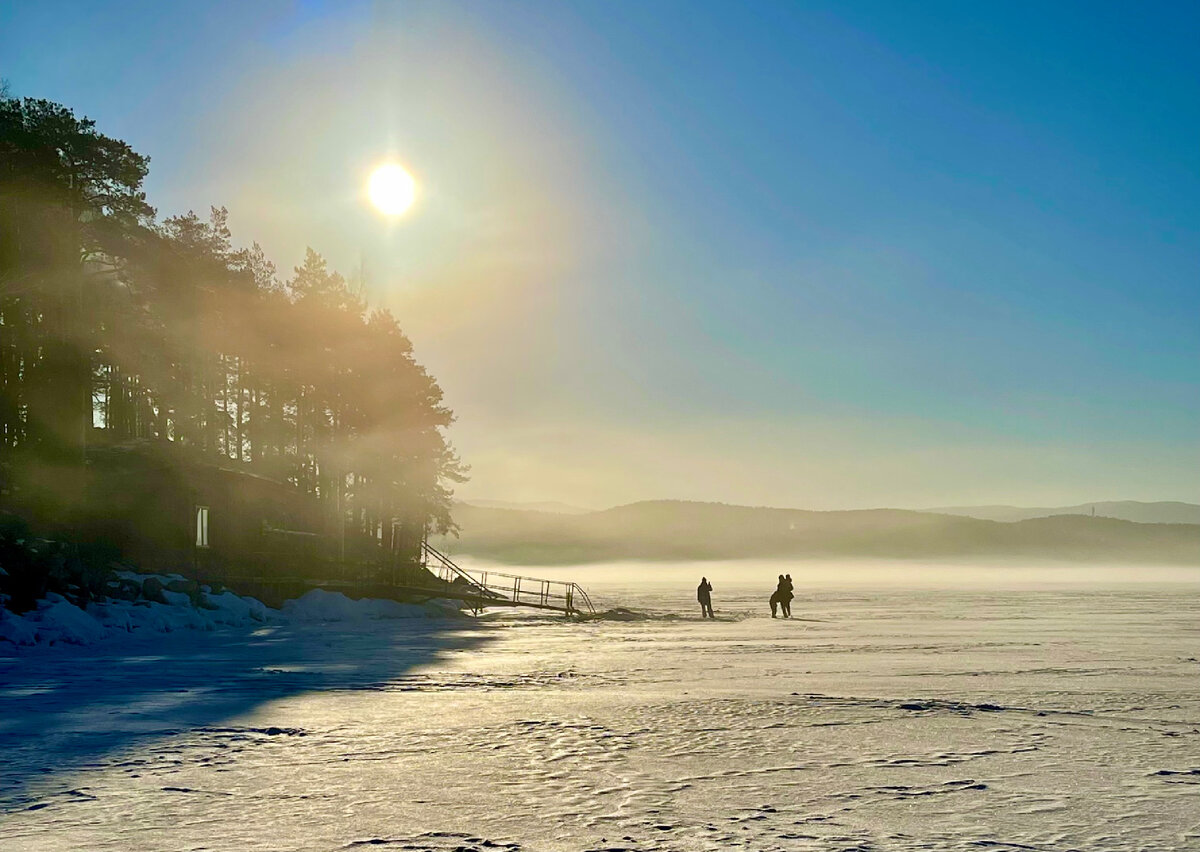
(484, 589)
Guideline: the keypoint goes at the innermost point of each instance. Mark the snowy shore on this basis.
(57, 622)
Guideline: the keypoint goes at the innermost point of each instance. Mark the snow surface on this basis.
(17, 630)
(321, 605)
(56, 621)
(1059, 716)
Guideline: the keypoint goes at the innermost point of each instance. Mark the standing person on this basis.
(777, 598)
(785, 595)
(704, 595)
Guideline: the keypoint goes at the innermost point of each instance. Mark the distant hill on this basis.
(676, 530)
(550, 506)
(1126, 510)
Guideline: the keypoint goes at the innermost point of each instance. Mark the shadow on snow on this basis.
(68, 709)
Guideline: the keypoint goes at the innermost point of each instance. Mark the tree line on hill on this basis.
(672, 530)
(117, 327)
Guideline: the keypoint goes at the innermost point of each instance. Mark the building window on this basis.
(201, 526)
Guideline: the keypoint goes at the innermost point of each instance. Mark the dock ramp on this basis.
(482, 589)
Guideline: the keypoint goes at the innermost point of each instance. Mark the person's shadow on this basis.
(66, 709)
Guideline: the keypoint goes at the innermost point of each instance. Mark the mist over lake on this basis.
(674, 580)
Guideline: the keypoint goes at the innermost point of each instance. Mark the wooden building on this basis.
(168, 511)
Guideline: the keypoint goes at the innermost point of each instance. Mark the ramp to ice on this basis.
(482, 589)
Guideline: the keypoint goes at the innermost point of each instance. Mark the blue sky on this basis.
(819, 255)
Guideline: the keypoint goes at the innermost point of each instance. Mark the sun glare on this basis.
(391, 189)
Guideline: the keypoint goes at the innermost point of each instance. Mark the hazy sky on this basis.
(803, 254)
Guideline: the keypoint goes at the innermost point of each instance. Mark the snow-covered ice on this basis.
(1053, 714)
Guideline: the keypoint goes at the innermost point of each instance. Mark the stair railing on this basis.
(510, 588)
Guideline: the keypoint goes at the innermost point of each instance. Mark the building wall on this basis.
(257, 527)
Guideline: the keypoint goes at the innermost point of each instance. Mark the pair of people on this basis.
(781, 598)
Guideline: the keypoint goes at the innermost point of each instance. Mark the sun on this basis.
(391, 189)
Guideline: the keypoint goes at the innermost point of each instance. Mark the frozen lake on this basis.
(962, 710)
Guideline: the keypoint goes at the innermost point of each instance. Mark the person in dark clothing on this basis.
(704, 595)
(785, 595)
(777, 598)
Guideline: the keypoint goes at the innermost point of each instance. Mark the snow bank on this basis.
(320, 605)
(176, 598)
(232, 609)
(15, 629)
(57, 621)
